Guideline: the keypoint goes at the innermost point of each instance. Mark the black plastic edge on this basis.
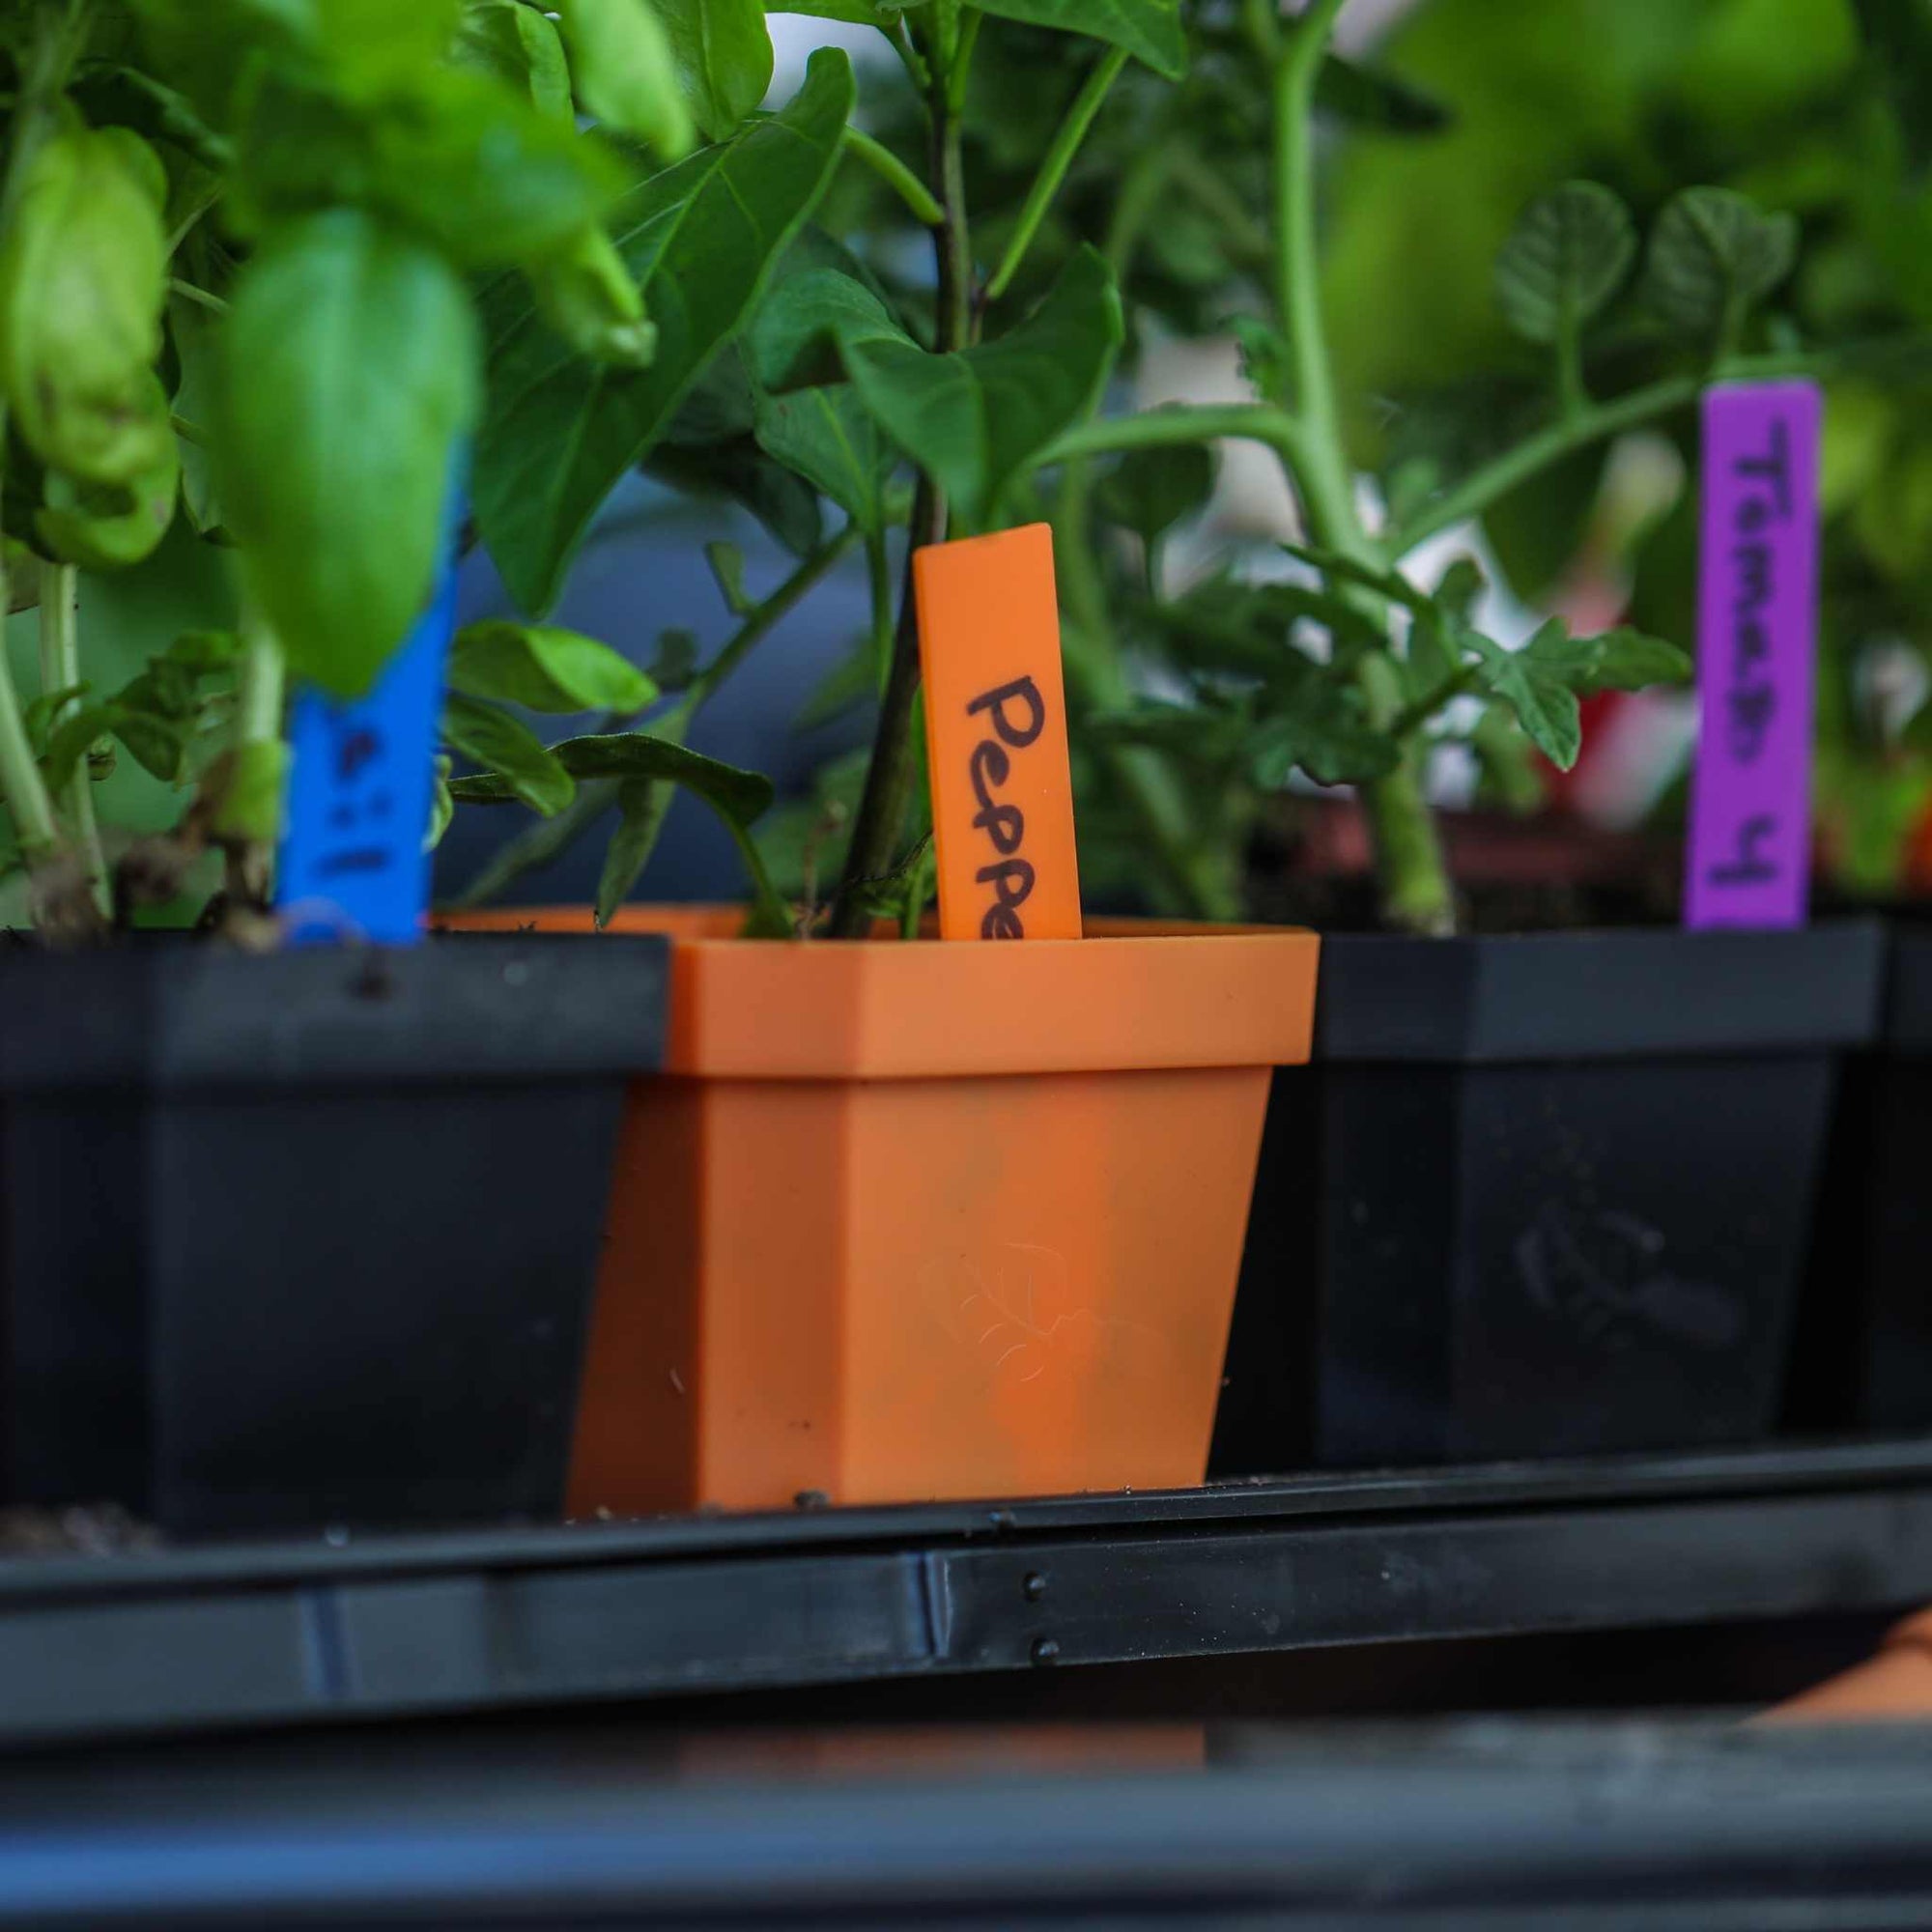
(1614, 994)
(175, 1016)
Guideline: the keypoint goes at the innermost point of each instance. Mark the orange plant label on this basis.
(995, 737)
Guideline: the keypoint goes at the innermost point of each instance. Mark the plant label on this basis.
(995, 737)
(1750, 859)
(353, 864)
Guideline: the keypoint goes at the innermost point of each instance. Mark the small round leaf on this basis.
(1714, 255)
(1564, 260)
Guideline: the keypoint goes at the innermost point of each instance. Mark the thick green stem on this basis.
(26, 791)
(60, 671)
(1053, 169)
(1415, 890)
(895, 765)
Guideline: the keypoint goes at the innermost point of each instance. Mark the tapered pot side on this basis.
(309, 1238)
(927, 1219)
(1541, 1195)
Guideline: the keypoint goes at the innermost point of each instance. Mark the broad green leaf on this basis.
(521, 48)
(803, 330)
(1535, 685)
(976, 417)
(740, 795)
(82, 280)
(626, 75)
(1152, 490)
(829, 437)
(739, 471)
(348, 373)
(1565, 259)
(723, 54)
(642, 806)
(700, 239)
(455, 158)
(1542, 682)
(1149, 30)
(102, 529)
(1714, 255)
(509, 752)
(545, 668)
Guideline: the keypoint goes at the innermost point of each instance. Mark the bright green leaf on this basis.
(521, 48)
(1149, 30)
(1565, 259)
(509, 752)
(442, 807)
(454, 157)
(975, 418)
(1715, 256)
(102, 529)
(626, 75)
(586, 294)
(1534, 683)
(348, 373)
(726, 562)
(723, 54)
(545, 668)
(700, 239)
(829, 437)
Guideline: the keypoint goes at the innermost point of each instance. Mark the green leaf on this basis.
(1152, 490)
(976, 417)
(521, 48)
(726, 562)
(804, 328)
(103, 529)
(1565, 259)
(1315, 722)
(1534, 683)
(1227, 626)
(545, 668)
(1389, 584)
(829, 437)
(622, 59)
(723, 54)
(1263, 350)
(637, 754)
(1542, 682)
(1149, 30)
(456, 157)
(1365, 97)
(676, 662)
(740, 471)
(642, 806)
(880, 14)
(510, 752)
(82, 280)
(585, 292)
(1714, 255)
(348, 373)
(442, 807)
(700, 239)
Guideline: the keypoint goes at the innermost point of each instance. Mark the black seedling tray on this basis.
(222, 1637)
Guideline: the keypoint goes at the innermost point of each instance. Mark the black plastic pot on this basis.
(1539, 1195)
(308, 1239)
(1865, 1352)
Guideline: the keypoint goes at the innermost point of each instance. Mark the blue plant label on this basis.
(353, 864)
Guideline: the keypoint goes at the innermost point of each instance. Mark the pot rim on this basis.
(1137, 995)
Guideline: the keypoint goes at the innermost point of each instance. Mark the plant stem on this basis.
(1415, 891)
(249, 847)
(20, 778)
(1053, 169)
(895, 764)
(539, 843)
(60, 671)
(879, 584)
(1176, 423)
(219, 304)
(895, 174)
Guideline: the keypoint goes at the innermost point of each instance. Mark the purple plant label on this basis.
(353, 865)
(1750, 861)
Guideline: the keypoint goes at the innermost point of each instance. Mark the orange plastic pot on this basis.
(928, 1219)
(1895, 1683)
